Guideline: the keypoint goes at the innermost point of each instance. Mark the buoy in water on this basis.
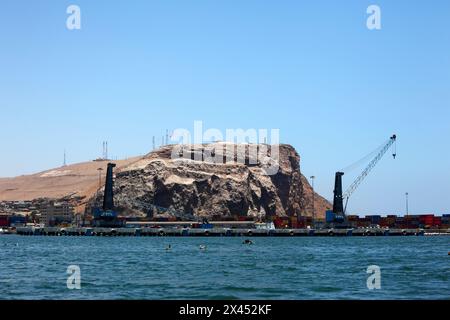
(169, 247)
(247, 241)
(202, 247)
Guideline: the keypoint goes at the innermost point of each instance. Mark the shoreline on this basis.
(223, 232)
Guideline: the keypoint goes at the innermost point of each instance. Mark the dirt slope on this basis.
(81, 179)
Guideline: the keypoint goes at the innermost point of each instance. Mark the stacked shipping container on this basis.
(4, 221)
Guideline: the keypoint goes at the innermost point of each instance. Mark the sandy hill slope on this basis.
(81, 180)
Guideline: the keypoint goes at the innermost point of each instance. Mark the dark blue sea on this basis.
(271, 268)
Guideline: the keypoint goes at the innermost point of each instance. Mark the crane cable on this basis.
(363, 160)
(394, 154)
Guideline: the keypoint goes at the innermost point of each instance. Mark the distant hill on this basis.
(189, 186)
(81, 180)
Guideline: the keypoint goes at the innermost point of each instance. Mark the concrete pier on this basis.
(216, 232)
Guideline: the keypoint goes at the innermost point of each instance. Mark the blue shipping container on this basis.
(17, 220)
(329, 216)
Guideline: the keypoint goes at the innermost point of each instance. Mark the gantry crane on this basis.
(339, 209)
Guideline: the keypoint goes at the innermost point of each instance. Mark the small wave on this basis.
(222, 297)
(326, 289)
(241, 289)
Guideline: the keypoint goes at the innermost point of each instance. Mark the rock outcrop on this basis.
(200, 183)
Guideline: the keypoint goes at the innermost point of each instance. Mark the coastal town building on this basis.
(56, 213)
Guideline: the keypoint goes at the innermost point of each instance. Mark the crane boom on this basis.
(369, 167)
(338, 207)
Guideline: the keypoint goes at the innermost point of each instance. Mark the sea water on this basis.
(272, 268)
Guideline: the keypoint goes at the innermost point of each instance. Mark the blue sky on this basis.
(335, 89)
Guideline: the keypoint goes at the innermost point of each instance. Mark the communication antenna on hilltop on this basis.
(105, 150)
(167, 136)
(154, 143)
(64, 163)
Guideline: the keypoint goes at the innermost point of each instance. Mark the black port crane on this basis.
(339, 209)
(108, 199)
(106, 216)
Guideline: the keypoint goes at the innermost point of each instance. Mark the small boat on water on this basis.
(4, 231)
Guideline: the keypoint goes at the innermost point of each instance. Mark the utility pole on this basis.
(407, 208)
(313, 200)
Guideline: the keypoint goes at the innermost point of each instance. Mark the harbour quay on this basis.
(220, 232)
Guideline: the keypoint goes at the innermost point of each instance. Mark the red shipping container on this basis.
(277, 222)
(4, 221)
(437, 221)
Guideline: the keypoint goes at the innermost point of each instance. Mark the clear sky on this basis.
(335, 89)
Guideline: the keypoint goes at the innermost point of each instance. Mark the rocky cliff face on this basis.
(191, 184)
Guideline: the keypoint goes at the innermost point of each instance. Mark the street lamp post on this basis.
(99, 179)
(313, 200)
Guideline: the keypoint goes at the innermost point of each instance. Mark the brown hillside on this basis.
(79, 179)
